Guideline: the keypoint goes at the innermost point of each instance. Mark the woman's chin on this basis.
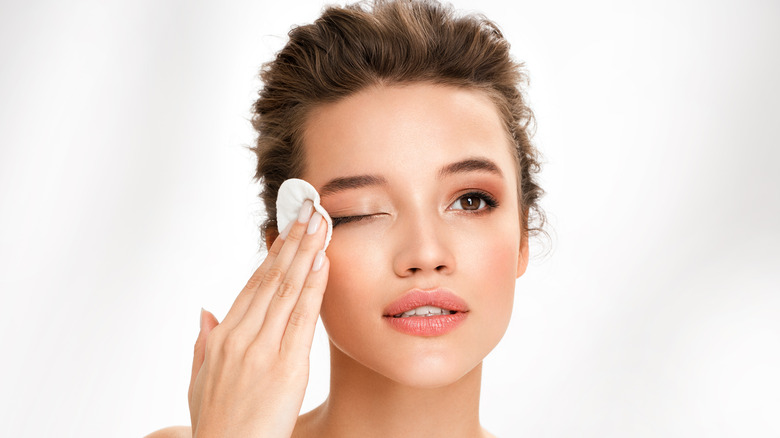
(416, 368)
(429, 373)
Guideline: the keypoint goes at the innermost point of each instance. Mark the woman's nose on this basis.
(423, 247)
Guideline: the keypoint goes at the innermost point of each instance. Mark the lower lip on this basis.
(427, 325)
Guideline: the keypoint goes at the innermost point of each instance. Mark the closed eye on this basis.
(347, 219)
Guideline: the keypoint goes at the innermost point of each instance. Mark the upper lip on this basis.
(437, 297)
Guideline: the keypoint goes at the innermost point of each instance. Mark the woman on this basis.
(408, 121)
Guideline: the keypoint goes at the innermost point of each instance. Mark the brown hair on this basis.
(386, 42)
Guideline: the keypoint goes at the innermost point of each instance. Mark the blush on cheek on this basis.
(351, 281)
(499, 267)
(496, 300)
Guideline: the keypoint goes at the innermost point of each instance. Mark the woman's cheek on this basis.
(354, 266)
(492, 265)
(501, 265)
(499, 261)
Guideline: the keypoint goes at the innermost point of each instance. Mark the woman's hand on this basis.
(249, 373)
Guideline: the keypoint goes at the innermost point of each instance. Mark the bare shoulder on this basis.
(172, 432)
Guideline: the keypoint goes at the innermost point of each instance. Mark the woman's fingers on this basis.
(282, 303)
(207, 322)
(299, 331)
(238, 309)
(299, 249)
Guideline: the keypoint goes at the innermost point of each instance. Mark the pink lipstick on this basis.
(426, 312)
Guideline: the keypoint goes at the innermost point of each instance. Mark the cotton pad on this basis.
(292, 193)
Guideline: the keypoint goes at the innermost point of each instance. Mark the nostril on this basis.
(439, 268)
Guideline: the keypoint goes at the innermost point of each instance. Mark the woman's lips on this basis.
(455, 309)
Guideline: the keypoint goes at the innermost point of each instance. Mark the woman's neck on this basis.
(364, 403)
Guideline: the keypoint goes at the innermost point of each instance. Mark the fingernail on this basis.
(305, 212)
(286, 230)
(319, 260)
(202, 318)
(314, 223)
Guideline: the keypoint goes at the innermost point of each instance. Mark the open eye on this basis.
(474, 201)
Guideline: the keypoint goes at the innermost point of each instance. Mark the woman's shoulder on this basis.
(172, 432)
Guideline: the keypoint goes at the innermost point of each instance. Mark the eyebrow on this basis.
(351, 182)
(470, 165)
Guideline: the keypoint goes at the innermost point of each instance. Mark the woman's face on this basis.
(426, 182)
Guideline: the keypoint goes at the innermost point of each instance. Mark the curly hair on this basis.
(385, 42)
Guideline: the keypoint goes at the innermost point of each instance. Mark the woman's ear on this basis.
(522, 258)
(270, 236)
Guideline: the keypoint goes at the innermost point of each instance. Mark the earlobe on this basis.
(522, 257)
(270, 236)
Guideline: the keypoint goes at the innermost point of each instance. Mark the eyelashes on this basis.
(347, 219)
(475, 202)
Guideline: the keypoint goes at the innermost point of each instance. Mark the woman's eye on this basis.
(474, 202)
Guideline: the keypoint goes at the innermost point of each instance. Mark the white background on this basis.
(127, 203)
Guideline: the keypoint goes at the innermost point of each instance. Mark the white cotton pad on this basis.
(292, 193)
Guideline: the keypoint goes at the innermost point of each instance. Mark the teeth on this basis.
(424, 311)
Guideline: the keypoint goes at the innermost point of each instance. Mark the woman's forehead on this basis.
(418, 128)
